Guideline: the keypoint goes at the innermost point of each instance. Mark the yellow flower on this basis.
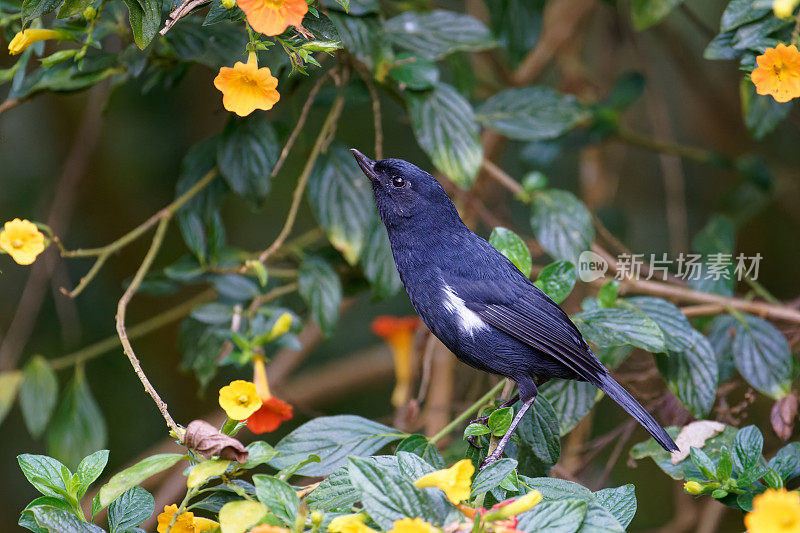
(398, 332)
(411, 525)
(203, 524)
(281, 326)
(22, 240)
(184, 523)
(519, 506)
(239, 399)
(272, 17)
(245, 87)
(784, 8)
(454, 481)
(774, 511)
(693, 487)
(778, 73)
(25, 38)
(349, 523)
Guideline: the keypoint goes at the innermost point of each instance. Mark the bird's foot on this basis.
(491, 458)
(482, 420)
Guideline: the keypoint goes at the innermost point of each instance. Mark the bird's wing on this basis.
(531, 317)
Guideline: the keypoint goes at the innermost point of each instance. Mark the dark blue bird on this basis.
(477, 302)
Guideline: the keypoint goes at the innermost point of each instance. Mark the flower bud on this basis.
(228, 4)
(693, 487)
(89, 13)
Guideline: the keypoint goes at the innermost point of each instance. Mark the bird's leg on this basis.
(484, 420)
(501, 446)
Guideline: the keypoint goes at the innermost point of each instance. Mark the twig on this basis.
(427, 359)
(273, 294)
(327, 126)
(105, 252)
(158, 238)
(665, 147)
(179, 12)
(300, 123)
(469, 411)
(501, 177)
(376, 109)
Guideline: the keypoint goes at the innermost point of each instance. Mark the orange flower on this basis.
(778, 73)
(272, 17)
(398, 332)
(245, 87)
(273, 412)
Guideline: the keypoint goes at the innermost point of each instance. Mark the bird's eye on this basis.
(398, 182)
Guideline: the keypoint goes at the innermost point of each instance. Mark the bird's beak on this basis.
(367, 165)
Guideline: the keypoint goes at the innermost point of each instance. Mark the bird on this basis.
(477, 303)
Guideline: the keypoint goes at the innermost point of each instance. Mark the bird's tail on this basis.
(623, 397)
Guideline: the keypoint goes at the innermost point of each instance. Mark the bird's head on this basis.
(404, 193)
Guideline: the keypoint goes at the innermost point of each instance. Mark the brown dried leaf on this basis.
(695, 434)
(206, 440)
(783, 415)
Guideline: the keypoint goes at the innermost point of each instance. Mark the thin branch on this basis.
(469, 411)
(377, 122)
(105, 252)
(179, 12)
(700, 155)
(500, 176)
(300, 123)
(327, 126)
(158, 238)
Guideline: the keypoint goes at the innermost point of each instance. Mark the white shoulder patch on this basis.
(469, 320)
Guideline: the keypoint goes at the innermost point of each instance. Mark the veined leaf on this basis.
(378, 263)
(133, 507)
(562, 224)
(557, 280)
(513, 248)
(132, 476)
(617, 327)
(321, 288)
(762, 356)
(437, 33)
(248, 149)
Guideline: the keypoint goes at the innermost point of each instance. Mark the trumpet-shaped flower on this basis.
(412, 525)
(239, 399)
(454, 481)
(245, 87)
(273, 412)
(185, 523)
(774, 511)
(25, 38)
(349, 523)
(516, 506)
(22, 240)
(399, 335)
(784, 8)
(778, 73)
(272, 17)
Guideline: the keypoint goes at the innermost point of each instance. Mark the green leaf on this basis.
(200, 345)
(437, 33)
(341, 199)
(321, 289)
(90, 469)
(539, 431)
(133, 507)
(646, 13)
(617, 327)
(363, 37)
(9, 385)
(378, 263)
(334, 493)
(474, 430)
(598, 519)
(32, 9)
(571, 400)
(78, 427)
(130, 477)
(248, 149)
(561, 224)
(685, 469)
(202, 472)
(724, 465)
(354, 7)
(715, 241)
(513, 248)
(492, 476)
(703, 462)
(333, 439)
(557, 489)
(218, 13)
(721, 335)
(762, 356)
(620, 502)
(412, 465)
(73, 7)
(673, 323)
(787, 461)
(500, 420)
(739, 13)
(557, 280)
(57, 520)
(145, 19)
(414, 72)
(561, 516)
(607, 295)
(517, 25)
(721, 47)
(213, 313)
(258, 453)
(28, 521)
(424, 448)
(531, 113)
(762, 113)
(240, 515)
(387, 496)
(747, 447)
(692, 374)
(445, 127)
(278, 496)
(46, 474)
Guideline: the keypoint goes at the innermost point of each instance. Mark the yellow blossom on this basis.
(411, 525)
(454, 481)
(22, 240)
(204, 524)
(25, 38)
(778, 73)
(520, 505)
(693, 487)
(281, 326)
(239, 399)
(349, 523)
(774, 511)
(245, 87)
(272, 17)
(183, 524)
(784, 8)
